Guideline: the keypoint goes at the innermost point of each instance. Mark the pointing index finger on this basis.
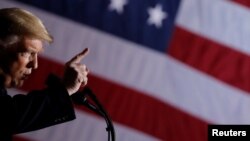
(80, 56)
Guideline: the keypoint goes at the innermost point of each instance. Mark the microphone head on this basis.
(79, 97)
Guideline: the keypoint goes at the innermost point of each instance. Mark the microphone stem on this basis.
(100, 111)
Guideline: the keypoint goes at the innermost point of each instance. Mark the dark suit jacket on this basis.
(36, 110)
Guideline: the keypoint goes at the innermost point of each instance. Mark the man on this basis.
(22, 36)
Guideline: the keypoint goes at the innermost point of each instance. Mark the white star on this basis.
(117, 5)
(156, 16)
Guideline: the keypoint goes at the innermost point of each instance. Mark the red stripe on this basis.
(243, 2)
(134, 109)
(17, 138)
(219, 61)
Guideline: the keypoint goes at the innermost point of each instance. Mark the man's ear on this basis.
(2, 78)
(3, 55)
(1, 44)
(2, 48)
(9, 41)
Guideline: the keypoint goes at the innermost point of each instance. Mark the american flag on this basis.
(163, 69)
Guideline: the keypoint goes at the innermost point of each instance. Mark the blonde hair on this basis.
(16, 23)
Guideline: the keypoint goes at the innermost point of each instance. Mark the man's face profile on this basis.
(22, 60)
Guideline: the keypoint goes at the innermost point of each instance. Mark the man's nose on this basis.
(33, 63)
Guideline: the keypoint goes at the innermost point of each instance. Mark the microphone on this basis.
(80, 98)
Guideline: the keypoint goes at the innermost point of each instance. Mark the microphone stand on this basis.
(80, 98)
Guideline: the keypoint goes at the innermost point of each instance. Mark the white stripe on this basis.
(149, 72)
(223, 21)
(86, 127)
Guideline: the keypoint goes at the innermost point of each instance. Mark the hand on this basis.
(75, 74)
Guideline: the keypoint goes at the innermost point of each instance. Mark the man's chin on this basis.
(17, 84)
